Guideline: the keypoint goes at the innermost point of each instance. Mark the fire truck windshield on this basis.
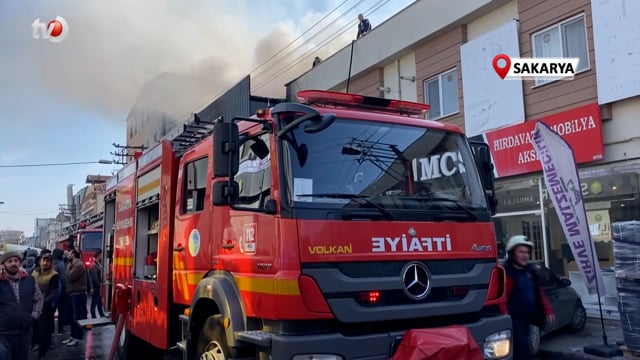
(91, 241)
(398, 171)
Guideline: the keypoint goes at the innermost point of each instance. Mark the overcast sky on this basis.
(68, 101)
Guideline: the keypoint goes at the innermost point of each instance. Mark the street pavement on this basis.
(95, 346)
(558, 345)
(561, 345)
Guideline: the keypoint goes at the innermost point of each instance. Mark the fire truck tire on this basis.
(128, 346)
(212, 341)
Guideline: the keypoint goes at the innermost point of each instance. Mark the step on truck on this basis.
(319, 229)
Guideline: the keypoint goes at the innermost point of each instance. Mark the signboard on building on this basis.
(513, 153)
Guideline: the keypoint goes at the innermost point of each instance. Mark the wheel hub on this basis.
(213, 352)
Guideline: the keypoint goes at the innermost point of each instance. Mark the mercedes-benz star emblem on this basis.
(415, 278)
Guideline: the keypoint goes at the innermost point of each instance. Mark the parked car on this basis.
(567, 306)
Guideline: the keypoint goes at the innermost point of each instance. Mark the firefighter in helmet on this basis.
(527, 303)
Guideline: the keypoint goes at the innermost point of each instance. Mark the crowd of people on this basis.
(34, 287)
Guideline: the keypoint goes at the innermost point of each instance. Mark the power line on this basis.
(284, 69)
(298, 38)
(28, 213)
(56, 164)
(308, 40)
(208, 101)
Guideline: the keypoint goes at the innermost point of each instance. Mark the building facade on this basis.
(447, 63)
(163, 103)
(40, 232)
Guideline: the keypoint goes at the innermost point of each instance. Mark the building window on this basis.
(195, 185)
(441, 92)
(567, 39)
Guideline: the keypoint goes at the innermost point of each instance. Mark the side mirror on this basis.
(483, 162)
(225, 149)
(565, 282)
(223, 192)
(482, 156)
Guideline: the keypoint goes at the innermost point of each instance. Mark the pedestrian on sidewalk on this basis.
(20, 305)
(96, 282)
(527, 303)
(59, 267)
(77, 293)
(48, 281)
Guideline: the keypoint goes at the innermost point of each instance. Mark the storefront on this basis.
(610, 191)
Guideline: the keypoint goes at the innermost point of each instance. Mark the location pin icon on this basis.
(502, 71)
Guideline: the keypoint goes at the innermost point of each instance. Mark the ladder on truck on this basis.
(88, 221)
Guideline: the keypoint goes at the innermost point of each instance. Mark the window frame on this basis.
(559, 25)
(439, 77)
(185, 179)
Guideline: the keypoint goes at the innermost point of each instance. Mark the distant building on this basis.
(12, 237)
(40, 232)
(164, 102)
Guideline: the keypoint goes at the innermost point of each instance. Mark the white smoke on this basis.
(113, 48)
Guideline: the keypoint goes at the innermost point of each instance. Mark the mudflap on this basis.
(446, 343)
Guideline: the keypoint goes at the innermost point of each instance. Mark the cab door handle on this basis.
(178, 248)
(228, 246)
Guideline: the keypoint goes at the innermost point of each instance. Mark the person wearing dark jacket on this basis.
(48, 281)
(20, 306)
(95, 273)
(364, 26)
(59, 267)
(77, 292)
(527, 303)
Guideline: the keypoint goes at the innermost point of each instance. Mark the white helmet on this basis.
(518, 240)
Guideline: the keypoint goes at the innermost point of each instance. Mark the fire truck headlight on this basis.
(317, 357)
(497, 345)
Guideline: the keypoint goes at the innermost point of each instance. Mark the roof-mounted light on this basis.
(261, 113)
(333, 98)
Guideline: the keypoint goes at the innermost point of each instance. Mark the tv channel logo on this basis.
(55, 30)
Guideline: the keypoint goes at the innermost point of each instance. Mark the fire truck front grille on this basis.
(455, 287)
(393, 268)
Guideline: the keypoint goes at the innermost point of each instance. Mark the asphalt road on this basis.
(95, 346)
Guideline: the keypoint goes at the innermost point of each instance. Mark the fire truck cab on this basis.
(318, 229)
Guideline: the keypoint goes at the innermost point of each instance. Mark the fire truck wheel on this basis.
(212, 341)
(128, 345)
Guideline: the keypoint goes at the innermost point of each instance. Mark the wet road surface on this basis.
(95, 346)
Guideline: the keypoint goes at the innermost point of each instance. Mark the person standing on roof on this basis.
(527, 303)
(364, 26)
(20, 305)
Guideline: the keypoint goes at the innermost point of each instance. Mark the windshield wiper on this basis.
(468, 211)
(362, 200)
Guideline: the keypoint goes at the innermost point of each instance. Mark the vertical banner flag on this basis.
(563, 185)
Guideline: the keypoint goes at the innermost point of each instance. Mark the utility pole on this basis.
(123, 154)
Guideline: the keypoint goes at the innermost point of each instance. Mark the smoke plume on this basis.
(114, 48)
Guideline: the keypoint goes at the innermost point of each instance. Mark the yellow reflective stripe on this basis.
(123, 261)
(268, 285)
(148, 187)
(193, 279)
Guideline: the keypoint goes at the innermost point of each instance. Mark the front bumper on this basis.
(370, 347)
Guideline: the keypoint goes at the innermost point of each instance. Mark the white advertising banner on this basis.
(563, 186)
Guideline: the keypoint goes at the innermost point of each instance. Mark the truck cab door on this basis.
(247, 244)
(191, 247)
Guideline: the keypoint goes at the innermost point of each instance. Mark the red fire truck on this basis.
(318, 229)
(85, 235)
